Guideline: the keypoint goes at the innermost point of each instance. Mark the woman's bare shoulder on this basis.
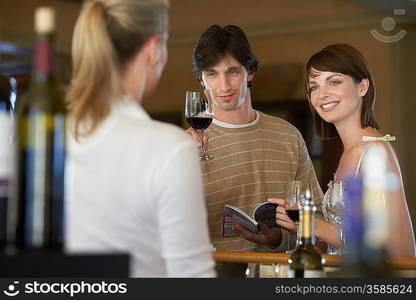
(349, 162)
(393, 162)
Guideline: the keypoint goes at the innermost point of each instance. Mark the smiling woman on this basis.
(341, 95)
(335, 96)
(352, 69)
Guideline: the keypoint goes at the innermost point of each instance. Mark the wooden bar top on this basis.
(399, 263)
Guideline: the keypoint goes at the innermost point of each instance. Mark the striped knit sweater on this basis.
(251, 163)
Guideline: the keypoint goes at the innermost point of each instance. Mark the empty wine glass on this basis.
(294, 190)
(333, 207)
(198, 114)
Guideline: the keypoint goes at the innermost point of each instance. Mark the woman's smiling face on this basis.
(336, 96)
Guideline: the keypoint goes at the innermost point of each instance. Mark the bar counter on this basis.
(398, 263)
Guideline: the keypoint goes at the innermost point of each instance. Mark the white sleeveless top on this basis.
(338, 203)
(333, 205)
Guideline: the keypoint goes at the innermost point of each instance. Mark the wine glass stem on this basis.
(201, 136)
(298, 235)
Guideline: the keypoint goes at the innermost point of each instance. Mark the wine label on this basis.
(314, 274)
(45, 57)
(305, 273)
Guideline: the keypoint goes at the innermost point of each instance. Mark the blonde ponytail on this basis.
(106, 36)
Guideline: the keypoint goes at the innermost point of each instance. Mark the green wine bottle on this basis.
(38, 196)
(306, 260)
(5, 149)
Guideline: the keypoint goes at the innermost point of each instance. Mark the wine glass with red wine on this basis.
(294, 191)
(198, 114)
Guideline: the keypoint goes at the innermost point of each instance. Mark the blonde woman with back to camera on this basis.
(134, 184)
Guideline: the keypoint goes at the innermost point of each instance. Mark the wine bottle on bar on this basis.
(306, 260)
(5, 149)
(366, 219)
(376, 212)
(38, 207)
(353, 264)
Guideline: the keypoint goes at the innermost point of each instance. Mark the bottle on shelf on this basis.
(306, 260)
(37, 218)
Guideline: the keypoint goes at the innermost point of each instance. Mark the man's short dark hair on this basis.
(216, 42)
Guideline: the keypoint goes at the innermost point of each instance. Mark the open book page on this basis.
(234, 216)
(264, 212)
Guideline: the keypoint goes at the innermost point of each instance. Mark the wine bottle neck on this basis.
(308, 224)
(306, 217)
(44, 63)
(307, 241)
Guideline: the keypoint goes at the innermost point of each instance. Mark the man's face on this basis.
(226, 82)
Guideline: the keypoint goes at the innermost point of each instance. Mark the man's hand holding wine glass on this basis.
(197, 139)
(199, 115)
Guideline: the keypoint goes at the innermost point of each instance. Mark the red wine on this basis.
(199, 122)
(293, 214)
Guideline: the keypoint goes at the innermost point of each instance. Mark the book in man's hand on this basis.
(264, 212)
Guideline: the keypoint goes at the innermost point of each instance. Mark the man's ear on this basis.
(250, 77)
(364, 85)
(203, 85)
(152, 49)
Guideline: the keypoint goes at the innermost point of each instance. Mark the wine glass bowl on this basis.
(198, 114)
(333, 204)
(296, 190)
(333, 207)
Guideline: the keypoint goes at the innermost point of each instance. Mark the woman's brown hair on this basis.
(345, 59)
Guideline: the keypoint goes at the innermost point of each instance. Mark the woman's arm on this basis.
(402, 239)
(327, 232)
(182, 214)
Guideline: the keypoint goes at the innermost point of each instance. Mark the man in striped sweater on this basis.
(255, 154)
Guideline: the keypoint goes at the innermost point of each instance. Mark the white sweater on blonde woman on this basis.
(135, 186)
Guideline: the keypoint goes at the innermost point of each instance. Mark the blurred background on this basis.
(283, 34)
